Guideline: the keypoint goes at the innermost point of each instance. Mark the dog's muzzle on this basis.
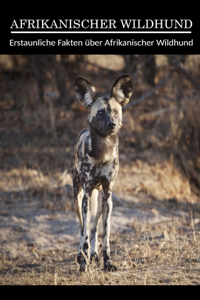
(111, 125)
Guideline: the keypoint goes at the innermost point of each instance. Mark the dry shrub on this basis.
(184, 136)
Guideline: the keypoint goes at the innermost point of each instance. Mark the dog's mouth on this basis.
(112, 131)
(108, 131)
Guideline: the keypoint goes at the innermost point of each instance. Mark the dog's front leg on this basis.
(94, 231)
(107, 209)
(86, 224)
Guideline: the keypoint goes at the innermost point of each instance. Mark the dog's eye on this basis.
(100, 112)
(115, 112)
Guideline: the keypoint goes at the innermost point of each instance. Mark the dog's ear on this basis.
(85, 92)
(122, 89)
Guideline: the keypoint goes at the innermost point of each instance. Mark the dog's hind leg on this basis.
(79, 213)
(107, 209)
(78, 197)
(94, 231)
(86, 224)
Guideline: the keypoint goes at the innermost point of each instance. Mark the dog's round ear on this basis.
(122, 89)
(85, 92)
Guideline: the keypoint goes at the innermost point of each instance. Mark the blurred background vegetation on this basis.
(40, 116)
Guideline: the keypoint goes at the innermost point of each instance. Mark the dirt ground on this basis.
(152, 241)
(155, 223)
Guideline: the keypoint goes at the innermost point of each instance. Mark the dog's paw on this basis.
(82, 268)
(79, 258)
(109, 267)
(94, 257)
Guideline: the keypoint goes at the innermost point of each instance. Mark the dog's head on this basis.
(105, 112)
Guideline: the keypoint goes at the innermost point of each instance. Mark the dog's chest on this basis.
(96, 173)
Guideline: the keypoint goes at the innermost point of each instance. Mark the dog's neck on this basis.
(103, 148)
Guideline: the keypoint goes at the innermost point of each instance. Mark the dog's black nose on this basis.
(111, 125)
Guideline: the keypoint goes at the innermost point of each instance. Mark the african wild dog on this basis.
(95, 163)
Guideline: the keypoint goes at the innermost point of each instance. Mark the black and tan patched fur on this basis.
(95, 164)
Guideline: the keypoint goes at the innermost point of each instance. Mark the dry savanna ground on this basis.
(155, 231)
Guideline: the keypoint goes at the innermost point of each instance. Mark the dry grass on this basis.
(163, 254)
